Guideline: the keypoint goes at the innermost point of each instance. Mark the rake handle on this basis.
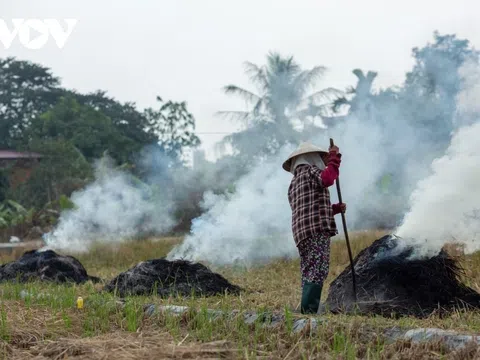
(339, 192)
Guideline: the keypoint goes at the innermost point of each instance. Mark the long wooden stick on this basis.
(339, 192)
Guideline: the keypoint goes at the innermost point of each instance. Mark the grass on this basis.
(42, 321)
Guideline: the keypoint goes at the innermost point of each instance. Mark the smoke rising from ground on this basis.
(445, 206)
(359, 140)
(118, 206)
(252, 224)
(392, 132)
(255, 222)
(377, 139)
(113, 208)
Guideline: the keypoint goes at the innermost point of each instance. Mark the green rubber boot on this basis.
(311, 294)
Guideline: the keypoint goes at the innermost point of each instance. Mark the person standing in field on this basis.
(314, 171)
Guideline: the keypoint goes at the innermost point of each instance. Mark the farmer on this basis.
(314, 170)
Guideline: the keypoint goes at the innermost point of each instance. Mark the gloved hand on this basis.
(339, 208)
(332, 162)
(334, 156)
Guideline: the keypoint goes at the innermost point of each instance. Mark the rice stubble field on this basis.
(41, 321)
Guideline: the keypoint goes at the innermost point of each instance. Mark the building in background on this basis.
(17, 166)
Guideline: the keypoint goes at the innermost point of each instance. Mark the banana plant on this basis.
(13, 214)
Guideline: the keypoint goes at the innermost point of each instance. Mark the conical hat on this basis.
(303, 148)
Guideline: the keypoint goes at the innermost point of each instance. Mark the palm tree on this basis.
(280, 110)
(355, 100)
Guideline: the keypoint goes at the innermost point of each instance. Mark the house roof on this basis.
(10, 154)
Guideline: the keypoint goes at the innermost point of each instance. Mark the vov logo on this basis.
(35, 33)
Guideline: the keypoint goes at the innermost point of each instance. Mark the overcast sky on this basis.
(189, 49)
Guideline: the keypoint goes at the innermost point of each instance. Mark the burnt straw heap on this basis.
(390, 283)
(46, 265)
(170, 278)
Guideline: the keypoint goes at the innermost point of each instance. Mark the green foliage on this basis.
(127, 121)
(89, 130)
(72, 130)
(4, 326)
(175, 128)
(62, 170)
(13, 214)
(65, 203)
(4, 183)
(430, 90)
(34, 105)
(26, 91)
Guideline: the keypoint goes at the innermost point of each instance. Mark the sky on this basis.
(187, 50)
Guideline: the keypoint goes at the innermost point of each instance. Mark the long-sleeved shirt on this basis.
(309, 198)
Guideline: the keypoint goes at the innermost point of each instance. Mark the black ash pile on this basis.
(170, 278)
(390, 283)
(46, 265)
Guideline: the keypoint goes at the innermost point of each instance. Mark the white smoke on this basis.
(360, 141)
(112, 209)
(445, 206)
(252, 224)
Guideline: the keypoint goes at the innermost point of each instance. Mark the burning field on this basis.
(389, 281)
(48, 310)
(151, 277)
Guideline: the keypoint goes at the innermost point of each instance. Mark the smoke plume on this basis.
(254, 223)
(394, 135)
(250, 225)
(113, 208)
(381, 138)
(445, 206)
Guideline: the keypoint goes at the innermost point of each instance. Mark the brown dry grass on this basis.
(121, 346)
(48, 326)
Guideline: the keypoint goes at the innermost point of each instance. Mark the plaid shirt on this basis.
(309, 200)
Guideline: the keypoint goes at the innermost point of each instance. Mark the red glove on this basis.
(331, 172)
(338, 208)
(334, 158)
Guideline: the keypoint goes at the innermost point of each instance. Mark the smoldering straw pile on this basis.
(392, 282)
